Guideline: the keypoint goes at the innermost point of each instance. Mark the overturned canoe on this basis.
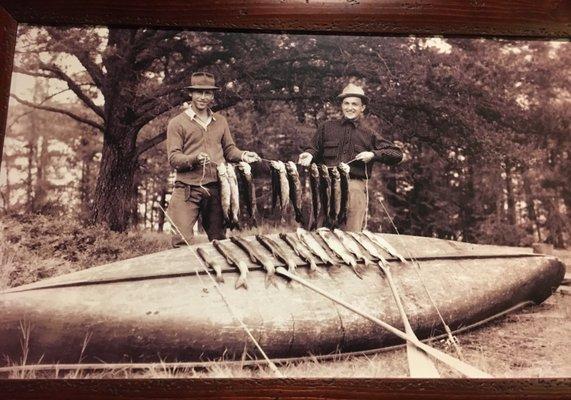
(163, 306)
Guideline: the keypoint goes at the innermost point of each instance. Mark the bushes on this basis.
(39, 246)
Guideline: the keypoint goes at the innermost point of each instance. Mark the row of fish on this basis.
(322, 246)
(329, 192)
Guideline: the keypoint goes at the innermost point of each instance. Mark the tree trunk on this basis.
(510, 195)
(530, 206)
(113, 193)
(163, 204)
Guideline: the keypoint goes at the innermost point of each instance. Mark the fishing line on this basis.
(217, 286)
(367, 196)
(451, 337)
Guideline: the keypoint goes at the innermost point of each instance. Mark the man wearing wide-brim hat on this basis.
(347, 140)
(198, 140)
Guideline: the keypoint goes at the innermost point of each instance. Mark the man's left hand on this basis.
(250, 157)
(365, 156)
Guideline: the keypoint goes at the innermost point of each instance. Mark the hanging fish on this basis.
(295, 193)
(299, 248)
(224, 192)
(249, 190)
(278, 252)
(353, 247)
(344, 198)
(234, 196)
(315, 199)
(335, 206)
(325, 193)
(280, 183)
(212, 263)
(383, 244)
(256, 257)
(275, 183)
(306, 238)
(233, 259)
(337, 247)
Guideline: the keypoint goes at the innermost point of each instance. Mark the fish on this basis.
(353, 246)
(325, 193)
(368, 245)
(278, 252)
(275, 183)
(337, 247)
(295, 194)
(284, 186)
(212, 263)
(299, 248)
(224, 191)
(257, 257)
(315, 200)
(344, 198)
(335, 206)
(234, 196)
(249, 190)
(306, 238)
(383, 244)
(234, 260)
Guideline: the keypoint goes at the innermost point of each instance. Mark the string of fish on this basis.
(272, 366)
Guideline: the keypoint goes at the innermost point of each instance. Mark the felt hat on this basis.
(352, 90)
(202, 81)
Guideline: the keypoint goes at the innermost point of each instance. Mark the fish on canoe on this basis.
(233, 259)
(256, 256)
(299, 248)
(278, 251)
(157, 306)
(353, 247)
(309, 241)
(213, 263)
(339, 249)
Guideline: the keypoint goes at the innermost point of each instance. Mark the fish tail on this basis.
(219, 278)
(241, 282)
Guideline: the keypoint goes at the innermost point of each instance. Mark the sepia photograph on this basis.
(214, 204)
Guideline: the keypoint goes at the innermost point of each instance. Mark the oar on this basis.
(460, 366)
(419, 364)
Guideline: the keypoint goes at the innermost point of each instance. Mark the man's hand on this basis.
(202, 159)
(365, 156)
(305, 159)
(250, 157)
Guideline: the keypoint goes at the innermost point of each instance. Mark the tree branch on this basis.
(60, 111)
(75, 88)
(150, 143)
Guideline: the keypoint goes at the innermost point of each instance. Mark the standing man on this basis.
(198, 140)
(341, 141)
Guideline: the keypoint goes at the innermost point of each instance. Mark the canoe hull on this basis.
(181, 317)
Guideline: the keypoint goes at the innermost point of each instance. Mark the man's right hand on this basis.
(305, 159)
(202, 159)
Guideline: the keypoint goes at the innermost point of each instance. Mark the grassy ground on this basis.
(533, 342)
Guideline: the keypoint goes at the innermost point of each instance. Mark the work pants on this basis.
(189, 202)
(357, 206)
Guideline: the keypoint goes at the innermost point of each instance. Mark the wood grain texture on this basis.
(426, 389)
(504, 17)
(7, 42)
(530, 18)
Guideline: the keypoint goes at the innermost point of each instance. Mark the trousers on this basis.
(357, 206)
(188, 203)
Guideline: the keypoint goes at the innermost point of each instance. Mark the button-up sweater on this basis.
(341, 140)
(186, 139)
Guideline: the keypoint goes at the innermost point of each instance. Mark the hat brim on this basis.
(202, 87)
(361, 96)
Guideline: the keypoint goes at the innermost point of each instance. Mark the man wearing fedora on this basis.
(198, 140)
(346, 139)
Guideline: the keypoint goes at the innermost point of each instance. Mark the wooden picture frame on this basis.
(522, 18)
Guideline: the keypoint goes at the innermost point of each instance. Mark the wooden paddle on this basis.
(458, 365)
(419, 364)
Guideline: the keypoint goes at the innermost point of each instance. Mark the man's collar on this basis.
(353, 121)
(191, 113)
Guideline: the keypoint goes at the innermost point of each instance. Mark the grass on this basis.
(529, 343)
